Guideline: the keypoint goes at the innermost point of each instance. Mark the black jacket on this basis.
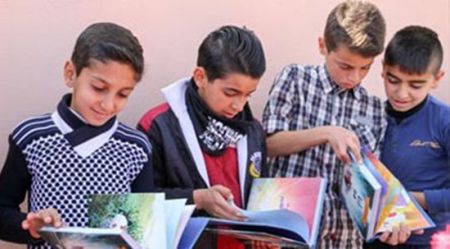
(179, 167)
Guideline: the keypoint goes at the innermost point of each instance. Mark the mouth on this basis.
(400, 103)
(101, 115)
(229, 115)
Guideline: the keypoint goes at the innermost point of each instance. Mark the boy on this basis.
(315, 114)
(207, 147)
(417, 142)
(81, 148)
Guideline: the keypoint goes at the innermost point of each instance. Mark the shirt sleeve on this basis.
(144, 181)
(282, 96)
(15, 181)
(160, 168)
(439, 200)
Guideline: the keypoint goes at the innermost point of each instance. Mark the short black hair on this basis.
(108, 42)
(231, 49)
(415, 50)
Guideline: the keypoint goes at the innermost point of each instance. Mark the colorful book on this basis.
(377, 201)
(96, 238)
(137, 220)
(281, 211)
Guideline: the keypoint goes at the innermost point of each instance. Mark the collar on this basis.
(400, 116)
(330, 87)
(83, 137)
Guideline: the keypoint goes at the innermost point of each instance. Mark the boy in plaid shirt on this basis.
(315, 114)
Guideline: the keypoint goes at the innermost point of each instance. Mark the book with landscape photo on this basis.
(376, 200)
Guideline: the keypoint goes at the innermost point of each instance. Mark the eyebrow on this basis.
(409, 81)
(348, 65)
(107, 83)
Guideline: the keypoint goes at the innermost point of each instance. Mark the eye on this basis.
(416, 86)
(98, 88)
(124, 95)
(392, 80)
(230, 93)
(345, 67)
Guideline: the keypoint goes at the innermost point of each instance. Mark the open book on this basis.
(377, 201)
(138, 220)
(281, 211)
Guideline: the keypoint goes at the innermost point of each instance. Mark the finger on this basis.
(385, 236)
(224, 210)
(51, 217)
(393, 239)
(418, 232)
(355, 148)
(404, 234)
(55, 216)
(341, 153)
(224, 191)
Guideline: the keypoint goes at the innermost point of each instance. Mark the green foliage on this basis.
(103, 208)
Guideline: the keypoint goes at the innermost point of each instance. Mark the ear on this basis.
(200, 77)
(69, 73)
(383, 69)
(322, 46)
(437, 79)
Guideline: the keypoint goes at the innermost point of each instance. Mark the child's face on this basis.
(101, 90)
(225, 97)
(347, 69)
(405, 91)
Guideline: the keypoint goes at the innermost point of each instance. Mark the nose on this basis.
(107, 104)
(355, 76)
(402, 91)
(238, 103)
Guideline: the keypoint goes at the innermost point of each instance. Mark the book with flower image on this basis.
(137, 220)
(376, 200)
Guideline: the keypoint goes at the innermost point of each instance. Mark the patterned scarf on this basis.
(215, 133)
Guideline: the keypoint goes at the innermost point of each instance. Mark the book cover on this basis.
(84, 238)
(376, 199)
(361, 192)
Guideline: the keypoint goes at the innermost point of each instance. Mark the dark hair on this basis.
(415, 50)
(358, 25)
(231, 50)
(105, 42)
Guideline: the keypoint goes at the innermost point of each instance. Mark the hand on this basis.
(398, 235)
(214, 201)
(341, 139)
(44, 217)
(264, 245)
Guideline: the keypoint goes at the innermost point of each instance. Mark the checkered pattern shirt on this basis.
(304, 97)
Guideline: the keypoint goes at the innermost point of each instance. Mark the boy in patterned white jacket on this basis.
(81, 148)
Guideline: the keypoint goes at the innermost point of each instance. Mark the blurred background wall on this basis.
(37, 37)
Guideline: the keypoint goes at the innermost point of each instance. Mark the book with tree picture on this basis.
(137, 220)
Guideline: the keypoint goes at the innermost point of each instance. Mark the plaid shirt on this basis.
(304, 97)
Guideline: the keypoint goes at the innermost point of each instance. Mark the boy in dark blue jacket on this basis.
(417, 141)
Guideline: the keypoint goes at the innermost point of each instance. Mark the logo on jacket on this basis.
(255, 164)
(420, 143)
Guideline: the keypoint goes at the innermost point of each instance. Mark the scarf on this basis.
(215, 133)
(82, 131)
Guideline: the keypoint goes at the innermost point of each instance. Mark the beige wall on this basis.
(36, 37)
